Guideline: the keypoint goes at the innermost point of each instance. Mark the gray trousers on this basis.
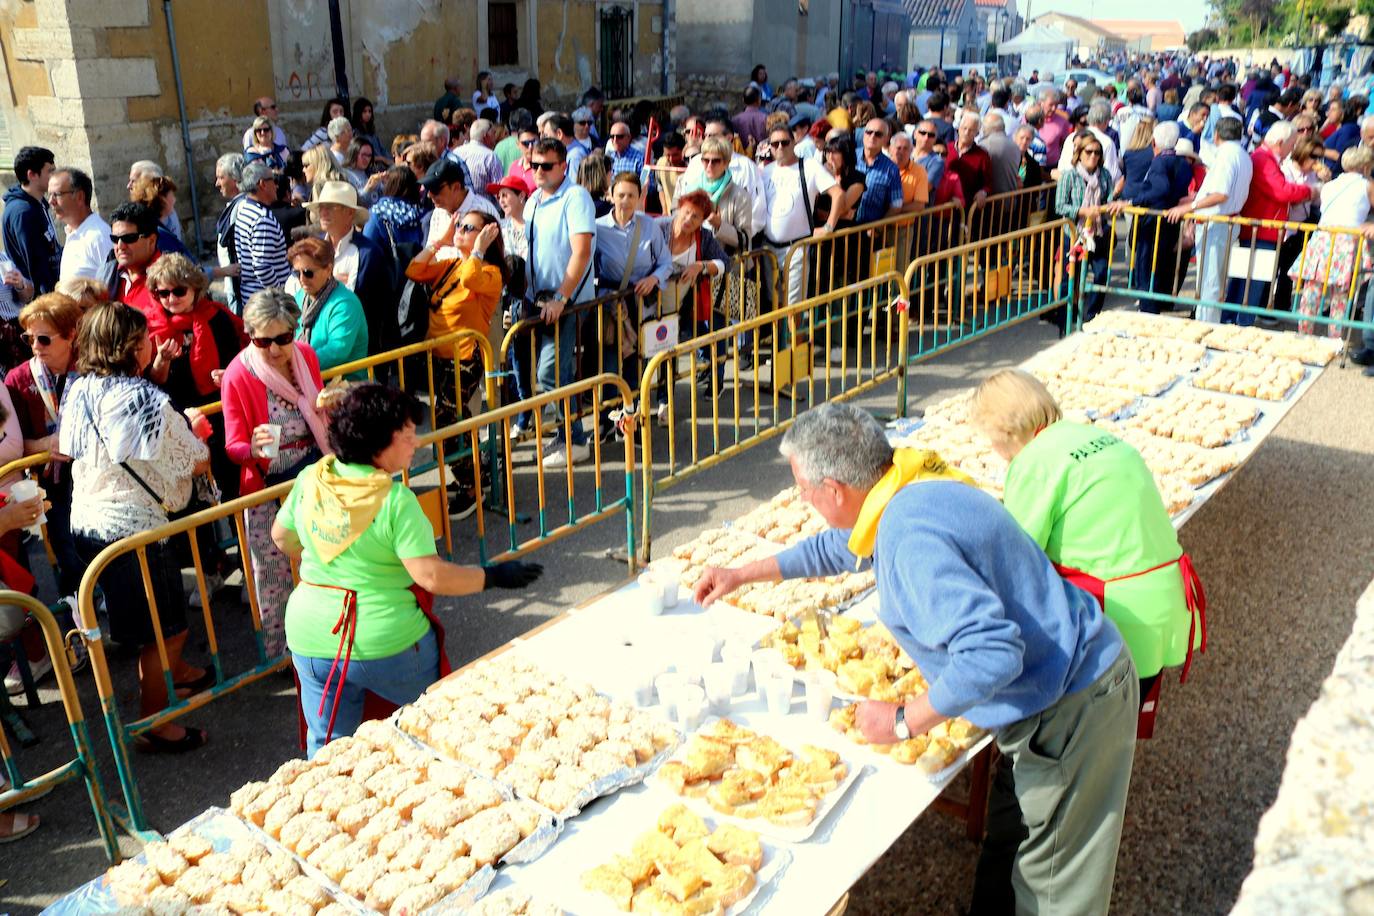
(1058, 801)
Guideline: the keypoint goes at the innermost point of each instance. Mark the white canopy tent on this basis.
(1041, 47)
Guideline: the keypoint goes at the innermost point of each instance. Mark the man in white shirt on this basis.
(483, 165)
(266, 107)
(88, 236)
(791, 188)
(743, 172)
(1223, 192)
(1099, 114)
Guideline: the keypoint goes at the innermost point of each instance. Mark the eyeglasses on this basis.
(174, 291)
(272, 107)
(43, 340)
(306, 273)
(280, 340)
(262, 130)
(1304, 130)
(545, 166)
(128, 238)
(620, 136)
(926, 133)
(711, 160)
(527, 143)
(1092, 152)
(777, 144)
(468, 227)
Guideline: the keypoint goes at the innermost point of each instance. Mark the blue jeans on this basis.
(520, 376)
(1368, 336)
(399, 678)
(556, 368)
(1236, 293)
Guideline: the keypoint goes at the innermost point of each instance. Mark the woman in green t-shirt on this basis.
(362, 617)
(1088, 499)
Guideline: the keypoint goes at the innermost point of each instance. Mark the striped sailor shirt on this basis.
(260, 245)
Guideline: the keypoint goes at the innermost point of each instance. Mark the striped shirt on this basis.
(261, 248)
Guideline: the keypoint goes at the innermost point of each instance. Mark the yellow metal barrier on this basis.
(83, 765)
(1002, 214)
(842, 344)
(1238, 267)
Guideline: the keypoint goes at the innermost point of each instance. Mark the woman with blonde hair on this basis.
(1089, 500)
(594, 175)
(160, 193)
(84, 291)
(1135, 160)
(320, 167)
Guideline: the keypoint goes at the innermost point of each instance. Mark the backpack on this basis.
(414, 302)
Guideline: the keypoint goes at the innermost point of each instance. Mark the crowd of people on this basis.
(498, 211)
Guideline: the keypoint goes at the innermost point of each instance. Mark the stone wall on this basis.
(1314, 852)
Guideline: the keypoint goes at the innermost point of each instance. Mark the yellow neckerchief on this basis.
(908, 465)
(336, 510)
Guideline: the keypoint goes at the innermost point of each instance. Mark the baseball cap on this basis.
(510, 182)
(443, 172)
(797, 120)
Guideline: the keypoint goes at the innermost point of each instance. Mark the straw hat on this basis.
(341, 193)
(1184, 147)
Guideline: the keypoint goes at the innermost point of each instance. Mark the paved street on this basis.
(1282, 551)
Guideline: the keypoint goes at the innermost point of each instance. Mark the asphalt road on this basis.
(1282, 550)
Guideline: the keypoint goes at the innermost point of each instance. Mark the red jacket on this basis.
(1270, 192)
(245, 409)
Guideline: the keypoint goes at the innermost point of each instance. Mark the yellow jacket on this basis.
(467, 298)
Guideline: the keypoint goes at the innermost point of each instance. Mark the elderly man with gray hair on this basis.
(1005, 156)
(1001, 638)
(257, 241)
(228, 174)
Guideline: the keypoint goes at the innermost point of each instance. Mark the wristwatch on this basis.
(899, 728)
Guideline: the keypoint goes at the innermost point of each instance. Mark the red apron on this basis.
(1193, 596)
(374, 707)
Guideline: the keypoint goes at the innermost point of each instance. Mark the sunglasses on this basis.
(779, 143)
(926, 133)
(128, 238)
(620, 136)
(306, 273)
(545, 166)
(527, 143)
(711, 160)
(44, 340)
(1092, 152)
(468, 227)
(174, 291)
(280, 340)
(1304, 130)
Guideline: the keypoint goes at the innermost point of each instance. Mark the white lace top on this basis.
(136, 421)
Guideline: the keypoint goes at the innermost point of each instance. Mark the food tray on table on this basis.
(784, 519)
(866, 660)
(752, 780)
(1141, 324)
(1183, 355)
(1251, 375)
(938, 753)
(1201, 418)
(677, 858)
(1148, 379)
(553, 741)
(1176, 492)
(1092, 401)
(1194, 464)
(963, 448)
(396, 828)
(204, 845)
(1306, 348)
(512, 900)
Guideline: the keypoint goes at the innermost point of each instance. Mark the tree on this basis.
(1203, 39)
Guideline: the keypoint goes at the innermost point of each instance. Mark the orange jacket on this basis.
(467, 298)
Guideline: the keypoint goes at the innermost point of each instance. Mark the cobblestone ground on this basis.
(1282, 549)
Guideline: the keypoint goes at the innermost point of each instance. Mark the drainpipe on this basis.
(185, 126)
(669, 15)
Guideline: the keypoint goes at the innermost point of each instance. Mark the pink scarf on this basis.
(304, 398)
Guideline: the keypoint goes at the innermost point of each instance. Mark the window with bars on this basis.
(617, 52)
(503, 34)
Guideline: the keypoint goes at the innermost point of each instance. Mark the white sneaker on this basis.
(14, 683)
(558, 457)
(661, 415)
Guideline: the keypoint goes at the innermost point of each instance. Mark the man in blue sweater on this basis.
(29, 232)
(1002, 640)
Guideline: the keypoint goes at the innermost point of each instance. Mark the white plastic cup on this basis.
(669, 586)
(765, 662)
(642, 679)
(669, 687)
(735, 656)
(271, 449)
(691, 708)
(21, 492)
(820, 693)
(719, 679)
(652, 594)
(778, 692)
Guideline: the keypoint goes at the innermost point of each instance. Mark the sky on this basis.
(1191, 13)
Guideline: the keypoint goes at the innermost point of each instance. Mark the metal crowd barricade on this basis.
(729, 408)
(1238, 267)
(548, 486)
(968, 292)
(83, 765)
(1002, 214)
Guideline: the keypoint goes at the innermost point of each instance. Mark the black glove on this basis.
(511, 574)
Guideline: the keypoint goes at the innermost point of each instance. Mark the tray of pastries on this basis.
(1092, 400)
(551, 739)
(1183, 355)
(512, 901)
(1142, 324)
(1192, 416)
(1307, 348)
(1192, 463)
(784, 519)
(937, 753)
(867, 661)
(964, 448)
(725, 547)
(953, 409)
(1178, 494)
(397, 829)
(1250, 375)
(1148, 379)
(215, 863)
(754, 780)
(682, 865)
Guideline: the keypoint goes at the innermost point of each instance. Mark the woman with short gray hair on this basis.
(273, 428)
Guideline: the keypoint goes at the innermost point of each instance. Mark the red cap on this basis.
(510, 182)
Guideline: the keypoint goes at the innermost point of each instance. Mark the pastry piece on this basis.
(605, 879)
(191, 846)
(736, 846)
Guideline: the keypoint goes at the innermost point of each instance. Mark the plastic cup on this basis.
(271, 449)
(652, 595)
(735, 656)
(820, 693)
(669, 686)
(670, 588)
(21, 492)
(764, 662)
(719, 678)
(642, 682)
(691, 708)
(778, 692)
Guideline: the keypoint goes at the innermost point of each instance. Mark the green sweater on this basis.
(340, 333)
(1089, 500)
